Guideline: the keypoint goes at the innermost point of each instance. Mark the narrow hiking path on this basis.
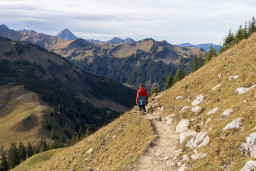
(161, 155)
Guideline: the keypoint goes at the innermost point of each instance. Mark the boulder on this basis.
(250, 165)
(185, 135)
(182, 126)
(227, 112)
(234, 124)
(205, 142)
(217, 86)
(242, 90)
(179, 97)
(199, 99)
(183, 109)
(89, 151)
(249, 147)
(233, 77)
(196, 109)
(183, 167)
(212, 111)
(198, 156)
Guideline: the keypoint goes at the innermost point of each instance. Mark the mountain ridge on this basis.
(205, 46)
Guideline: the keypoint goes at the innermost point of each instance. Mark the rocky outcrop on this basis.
(198, 156)
(185, 135)
(212, 111)
(199, 99)
(217, 86)
(182, 126)
(250, 165)
(196, 109)
(227, 112)
(243, 90)
(249, 147)
(234, 124)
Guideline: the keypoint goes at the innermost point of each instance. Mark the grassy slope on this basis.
(20, 115)
(115, 146)
(224, 147)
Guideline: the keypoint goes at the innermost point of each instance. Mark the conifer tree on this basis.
(4, 166)
(210, 54)
(22, 152)
(169, 81)
(154, 91)
(179, 75)
(195, 64)
(29, 150)
(252, 27)
(88, 131)
(13, 156)
(245, 31)
(239, 36)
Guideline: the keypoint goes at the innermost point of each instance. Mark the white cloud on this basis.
(176, 21)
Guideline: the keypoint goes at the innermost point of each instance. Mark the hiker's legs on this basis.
(140, 107)
(144, 109)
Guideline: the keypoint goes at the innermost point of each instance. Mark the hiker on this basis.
(142, 98)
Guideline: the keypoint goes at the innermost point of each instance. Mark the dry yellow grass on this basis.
(114, 147)
(223, 151)
(21, 115)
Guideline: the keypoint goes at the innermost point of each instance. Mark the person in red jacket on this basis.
(142, 98)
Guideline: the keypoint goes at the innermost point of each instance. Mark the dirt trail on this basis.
(161, 155)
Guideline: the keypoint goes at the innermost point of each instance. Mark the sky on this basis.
(176, 21)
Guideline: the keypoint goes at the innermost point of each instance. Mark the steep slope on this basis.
(114, 147)
(122, 62)
(59, 73)
(20, 115)
(211, 111)
(66, 34)
(41, 92)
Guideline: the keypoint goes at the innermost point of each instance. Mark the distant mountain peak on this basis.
(3, 27)
(118, 40)
(66, 34)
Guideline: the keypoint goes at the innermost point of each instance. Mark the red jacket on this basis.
(141, 92)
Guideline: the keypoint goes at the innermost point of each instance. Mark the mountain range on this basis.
(206, 121)
(205, 47)
(146, 61)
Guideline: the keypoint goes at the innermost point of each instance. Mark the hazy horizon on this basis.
(183, 21)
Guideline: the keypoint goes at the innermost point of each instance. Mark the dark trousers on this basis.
(142, 107)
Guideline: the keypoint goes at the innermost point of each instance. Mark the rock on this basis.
(196, 109)
(205, 142)
(182, 126)
(234, 124)
(183, 109)
(211, 127)
(227, 112)
(217, 86)
(169, 121)
(219, 76)
(114, 137)
(183, 167)
(242, 90)
(169, 163)
(184, 135)
(89, 151)
(191, 143)
(249, 147)
(212, 111)
(199, 99)
(185, 157)
(233, 77)
(198, 156)
(177, 153)
(200, 137)
(250, 165)
(179, 97)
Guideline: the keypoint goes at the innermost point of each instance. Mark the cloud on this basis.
(176, 21)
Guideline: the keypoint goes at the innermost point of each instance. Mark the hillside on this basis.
(209, 117)
(158, 59)
(41, 92)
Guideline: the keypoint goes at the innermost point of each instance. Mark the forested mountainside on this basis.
(43, 95)
(133, 59)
